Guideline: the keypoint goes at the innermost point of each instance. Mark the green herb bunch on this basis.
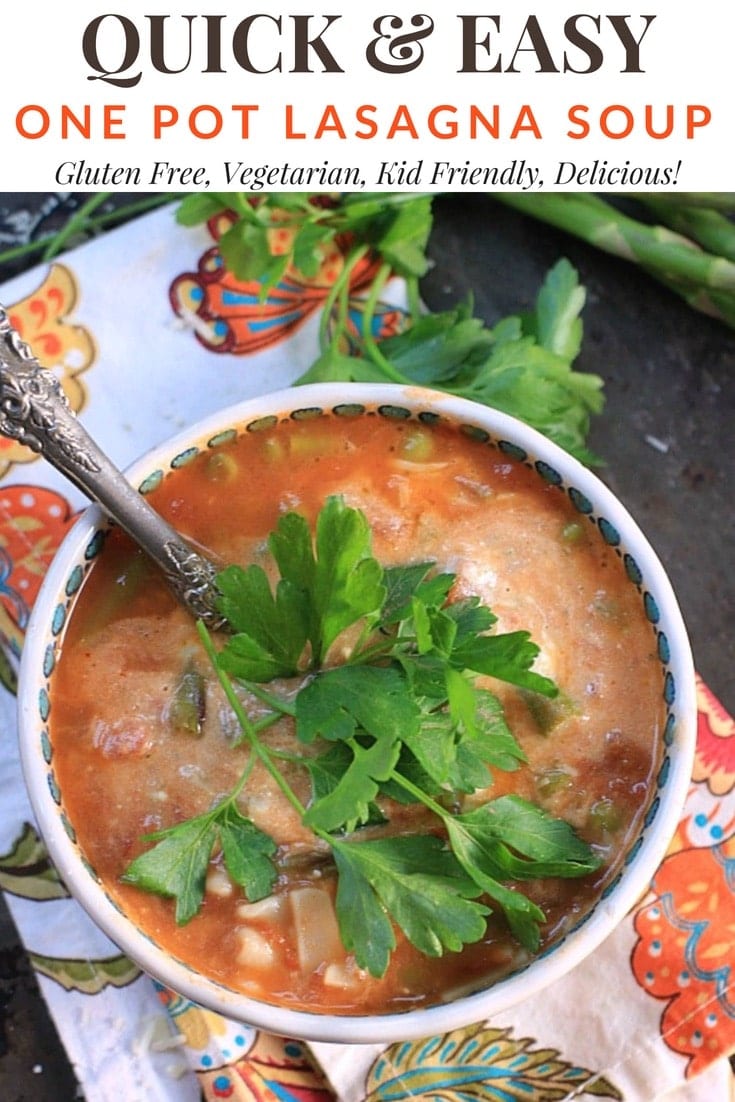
(402, 717)
(522, 365)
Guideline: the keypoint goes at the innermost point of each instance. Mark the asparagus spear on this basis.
(705, 280)
(710, 228)
(724, 201)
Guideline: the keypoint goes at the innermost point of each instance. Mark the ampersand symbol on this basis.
(398, 53)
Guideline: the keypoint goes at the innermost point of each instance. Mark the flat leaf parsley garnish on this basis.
(390, 708)
(523, 364)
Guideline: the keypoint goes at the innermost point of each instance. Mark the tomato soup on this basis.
(129, 765)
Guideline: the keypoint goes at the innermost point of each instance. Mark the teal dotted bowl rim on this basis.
(611, 522)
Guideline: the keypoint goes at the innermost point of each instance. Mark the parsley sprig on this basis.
(522, 365)
(401, 715)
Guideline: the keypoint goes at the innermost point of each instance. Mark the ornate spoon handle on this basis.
(34, 410)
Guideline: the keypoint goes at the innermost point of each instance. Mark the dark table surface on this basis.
(667, 436)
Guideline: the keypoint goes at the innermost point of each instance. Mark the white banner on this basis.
(380, 95)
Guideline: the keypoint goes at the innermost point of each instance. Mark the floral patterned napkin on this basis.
(148, 333)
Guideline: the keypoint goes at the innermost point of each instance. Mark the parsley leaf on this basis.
(327, 772)
(323, 589)
(508, 657)
(365, 926)
(177, 865)
(248, 853)
(341, 580)
(488, 737)
(335, 703)
(526, 842)
(415, 880)
(270, 631)
(351, 801)
(401, 582)
(555, 323)
(509, 838)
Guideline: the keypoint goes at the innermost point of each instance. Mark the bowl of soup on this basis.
(431, 758)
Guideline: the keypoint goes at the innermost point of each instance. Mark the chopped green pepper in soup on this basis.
(493, 788)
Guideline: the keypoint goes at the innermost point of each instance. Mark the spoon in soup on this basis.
(34, 411)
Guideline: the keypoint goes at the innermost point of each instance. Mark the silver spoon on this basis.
(34, 410)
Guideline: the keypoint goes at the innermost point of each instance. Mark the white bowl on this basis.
(591, 498)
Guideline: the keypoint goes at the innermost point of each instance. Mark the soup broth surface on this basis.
(126, 769)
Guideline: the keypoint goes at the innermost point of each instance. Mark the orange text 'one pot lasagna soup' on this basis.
(414, 757)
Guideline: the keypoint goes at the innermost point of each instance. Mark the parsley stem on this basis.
(385, 648)
(241, 781)
(419, 795)
(341, 283)
(242, 716)
(414, 300)
(246, 723)
(368, 654)
(275, 702)
(50, 241)
(76, 222)
(371, 345)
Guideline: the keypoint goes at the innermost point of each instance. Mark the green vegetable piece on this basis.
(127, 583)
(246, 252)
(573, 532)
(348, 580)
(556, 323)
(198, 207)
(552, 781)
(327, 771)
(705, 279)
(417, 446)
(364, 924)
(401, 582)
(509, 838)
(189, 704)
(522, 841)
(487, 739)
(471, 617)
(272, 448)
(220, 467)
(610, 609)
(440, 347)
(350, 802)
(605, 818)
(433, 746)
(524, 917)
(406, 585)
(308, 250)
(396, 226)
(548, 713)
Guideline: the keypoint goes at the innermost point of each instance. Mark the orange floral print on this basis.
(42, 320)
